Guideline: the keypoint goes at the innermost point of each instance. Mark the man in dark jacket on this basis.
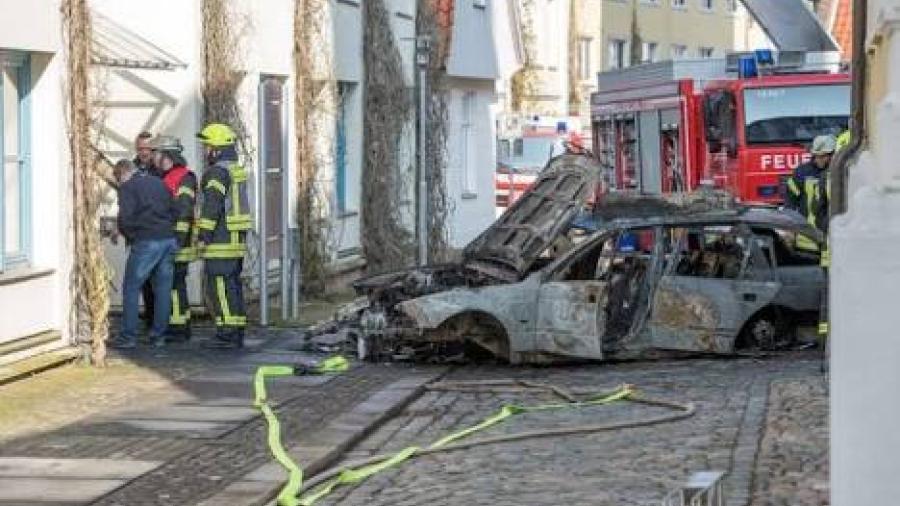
(147, 221)
(143, 161)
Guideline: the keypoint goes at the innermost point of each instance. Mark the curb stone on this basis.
(323, 448)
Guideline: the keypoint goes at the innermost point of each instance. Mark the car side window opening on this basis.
(706, 252)
(788, 247)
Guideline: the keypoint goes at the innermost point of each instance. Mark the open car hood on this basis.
(509, 247)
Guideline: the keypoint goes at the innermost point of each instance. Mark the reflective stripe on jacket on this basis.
(225, 215)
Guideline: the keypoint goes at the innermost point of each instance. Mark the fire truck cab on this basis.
(727, 123)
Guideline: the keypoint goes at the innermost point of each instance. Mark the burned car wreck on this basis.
(549, 281)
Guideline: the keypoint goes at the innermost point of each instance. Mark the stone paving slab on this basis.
(25, 467)
(76, 481)
(192, 413)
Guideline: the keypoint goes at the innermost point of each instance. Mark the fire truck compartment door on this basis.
(651, 176)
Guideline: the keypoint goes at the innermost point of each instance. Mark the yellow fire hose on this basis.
(355, 472)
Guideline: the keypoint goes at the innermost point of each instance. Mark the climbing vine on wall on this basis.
(386, 242)
(314, 104)
(90, 278)
(435, 148)
(223, 33)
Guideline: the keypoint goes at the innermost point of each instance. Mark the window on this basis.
(705, 52)
(584, 58)
(706, 5)
(617, 54)
(15, 160)
(732, 6)
(480, 4)
(679, 4)
(345, 92)
(467, 138)
(648, 52)
(706, 252)
(679, 51)
(795, 114)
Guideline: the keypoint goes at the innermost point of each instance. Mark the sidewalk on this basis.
(190, 432)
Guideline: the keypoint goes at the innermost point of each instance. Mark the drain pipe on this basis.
(841, 163)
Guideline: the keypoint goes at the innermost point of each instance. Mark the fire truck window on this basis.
(719, 119)
(518, 147)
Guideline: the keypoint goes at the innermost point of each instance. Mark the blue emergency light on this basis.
(747, 67)
(765, 57)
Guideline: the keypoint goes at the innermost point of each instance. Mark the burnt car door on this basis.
(593, 299)
(571, 302)
(715, 278)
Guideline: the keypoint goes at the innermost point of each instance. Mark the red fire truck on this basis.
(674, 126)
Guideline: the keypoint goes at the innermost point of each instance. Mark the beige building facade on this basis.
(611, 34)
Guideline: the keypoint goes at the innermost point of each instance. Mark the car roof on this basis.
(754, 216)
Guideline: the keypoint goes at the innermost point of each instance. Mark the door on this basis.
(569, 317)
(273, 191)
(572, 302)
(715, 279)
(651, 174)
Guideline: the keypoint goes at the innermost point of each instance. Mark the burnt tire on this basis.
(767, 331)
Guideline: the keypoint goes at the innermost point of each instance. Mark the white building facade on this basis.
(472, 74)
(35, 231)
(148, 62)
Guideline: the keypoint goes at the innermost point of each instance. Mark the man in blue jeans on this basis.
(147, 221)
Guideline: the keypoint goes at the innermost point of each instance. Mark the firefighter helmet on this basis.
(217, 135)
(823, 145)
(166, 143)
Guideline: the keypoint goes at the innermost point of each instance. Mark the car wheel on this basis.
(767, 331)
(763, 333)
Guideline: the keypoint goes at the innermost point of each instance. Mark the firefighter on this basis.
(182, 184)
(809, 193)
(222, 228)
(805, 183)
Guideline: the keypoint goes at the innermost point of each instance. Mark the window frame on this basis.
(340, 147)
(683, 49)
(706, 52)
(679, 5)
(617, 61)
(21, 259)
(708, 5)
(649, 51)
(585, 67)
(467, 134)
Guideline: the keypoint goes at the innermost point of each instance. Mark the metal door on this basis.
(699, 313)
(651, 176)
(273, 194)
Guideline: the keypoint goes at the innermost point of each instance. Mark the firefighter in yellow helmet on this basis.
(222, 231)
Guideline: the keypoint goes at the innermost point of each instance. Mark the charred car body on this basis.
(546, 282)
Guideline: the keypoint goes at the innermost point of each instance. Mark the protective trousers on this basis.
(180, 319)
(223, 284)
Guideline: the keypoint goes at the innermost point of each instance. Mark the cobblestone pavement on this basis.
(208, 437)
(635, 466)
(792, 467)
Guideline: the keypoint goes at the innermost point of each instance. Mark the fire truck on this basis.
(740, 123)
